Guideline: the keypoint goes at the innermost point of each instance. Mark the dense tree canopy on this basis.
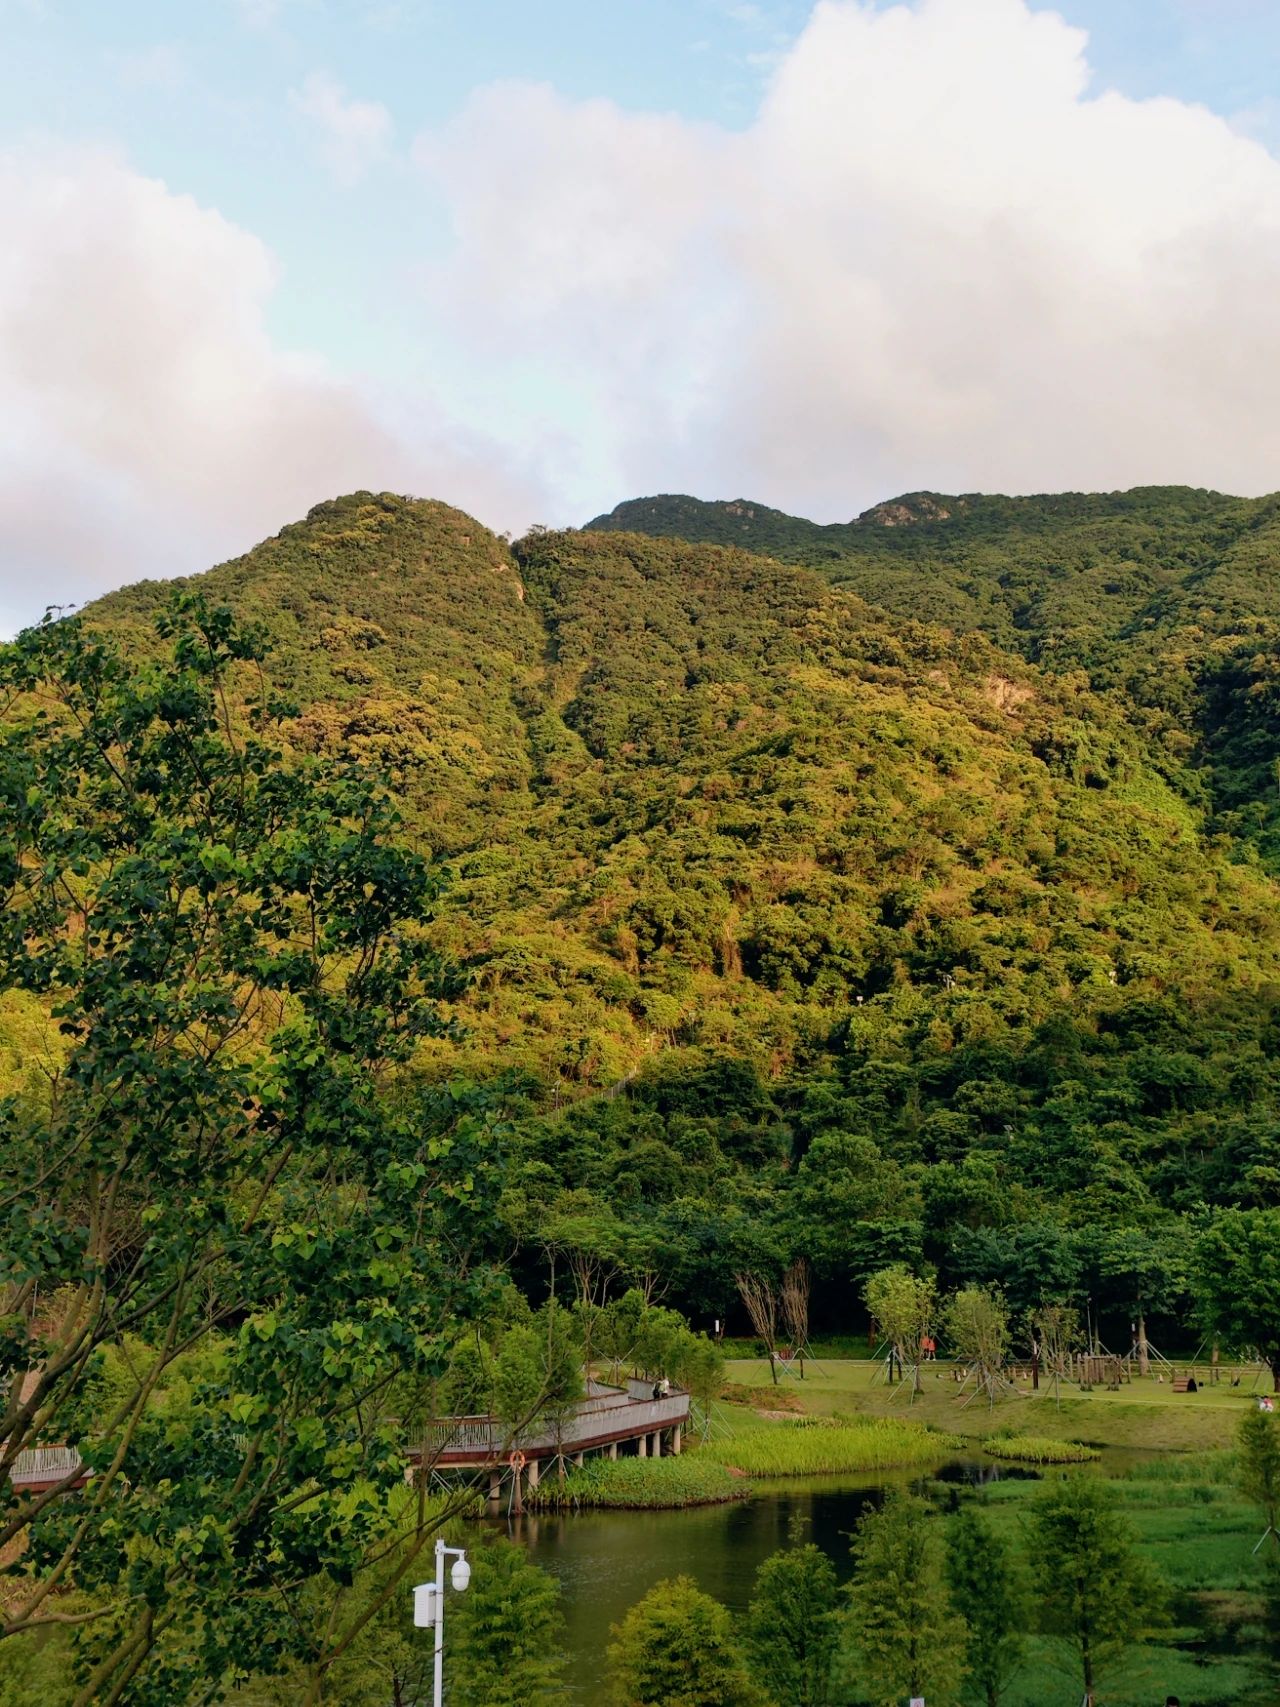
(226, 1237)
(796, 925)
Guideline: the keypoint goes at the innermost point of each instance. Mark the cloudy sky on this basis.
(536, 259)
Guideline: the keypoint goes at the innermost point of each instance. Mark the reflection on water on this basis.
(605, 1561)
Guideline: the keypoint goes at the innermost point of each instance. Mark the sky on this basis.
(533, 260)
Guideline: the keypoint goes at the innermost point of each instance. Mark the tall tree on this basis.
(902, 1303)
(976, 1322)
(506, 1633)
(1096, 1591)
(1258, 1456)
(1236, 1275)
(761, 1300)
(232, 951)
(675, 1648)
(791, 1625)
(988, 1593)
(902, 1635)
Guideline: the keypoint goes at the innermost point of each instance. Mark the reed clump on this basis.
(1038, 1449)
(640, 1484)
(821, 1446)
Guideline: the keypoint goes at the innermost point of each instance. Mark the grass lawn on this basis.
(1146, 1415)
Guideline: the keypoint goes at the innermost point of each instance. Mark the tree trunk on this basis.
(1144, 1360)
(1087, 1657)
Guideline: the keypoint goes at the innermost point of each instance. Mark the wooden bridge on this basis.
(609, 1420)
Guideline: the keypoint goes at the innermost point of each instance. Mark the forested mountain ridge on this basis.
(683, 785)
(1168, 594)
(899, 942)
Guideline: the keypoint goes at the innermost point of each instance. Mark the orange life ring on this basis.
(516, 1461)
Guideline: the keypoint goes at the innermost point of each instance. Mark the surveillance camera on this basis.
(460, 1575)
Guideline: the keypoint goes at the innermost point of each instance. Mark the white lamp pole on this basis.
(428, 1605)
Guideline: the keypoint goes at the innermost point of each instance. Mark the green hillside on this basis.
(885, 932)
(681, 782)
(1166, 594)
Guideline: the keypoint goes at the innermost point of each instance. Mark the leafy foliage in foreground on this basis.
(232, 953)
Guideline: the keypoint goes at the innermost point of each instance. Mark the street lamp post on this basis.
(428, 1605)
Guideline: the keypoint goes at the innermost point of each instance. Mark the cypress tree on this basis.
(675, 1648)
(988, 1594)
(791, 1625)
(903, 1637)
(505, 1635)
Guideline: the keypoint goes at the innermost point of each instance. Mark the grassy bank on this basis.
(1148, 1415)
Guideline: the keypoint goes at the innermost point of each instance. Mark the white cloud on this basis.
(159, 67)
(936, 257)
(353, 135)
(149, 425)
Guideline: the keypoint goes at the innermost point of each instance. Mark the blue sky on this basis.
(514, 256)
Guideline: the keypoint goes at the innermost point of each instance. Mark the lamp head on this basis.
(460, 1573)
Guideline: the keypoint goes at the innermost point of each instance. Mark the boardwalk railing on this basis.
(596, 1419)
(44, 1464)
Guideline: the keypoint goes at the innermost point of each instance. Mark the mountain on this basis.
(694, 794)
(783, 907)
(1166, 595)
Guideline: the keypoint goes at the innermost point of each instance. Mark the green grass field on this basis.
(1147, 1415)
(822, 1446)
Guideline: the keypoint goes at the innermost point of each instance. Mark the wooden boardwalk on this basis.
(608, 1420)
(46, 1467)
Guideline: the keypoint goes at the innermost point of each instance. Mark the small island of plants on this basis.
(1039, 1449)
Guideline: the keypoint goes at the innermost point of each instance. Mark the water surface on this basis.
(606, 1560)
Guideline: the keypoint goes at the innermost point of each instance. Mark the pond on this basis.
(606, 1560)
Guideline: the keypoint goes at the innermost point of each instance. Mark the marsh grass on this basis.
(1039, 1449)
(640, 1484)
(818, 1446)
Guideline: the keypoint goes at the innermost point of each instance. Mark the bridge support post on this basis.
(577, 1459)
(495, 1492)
(642, 1445)
(533, 1474)
(657, 1443)
(613, 1451)
(675, 1441)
